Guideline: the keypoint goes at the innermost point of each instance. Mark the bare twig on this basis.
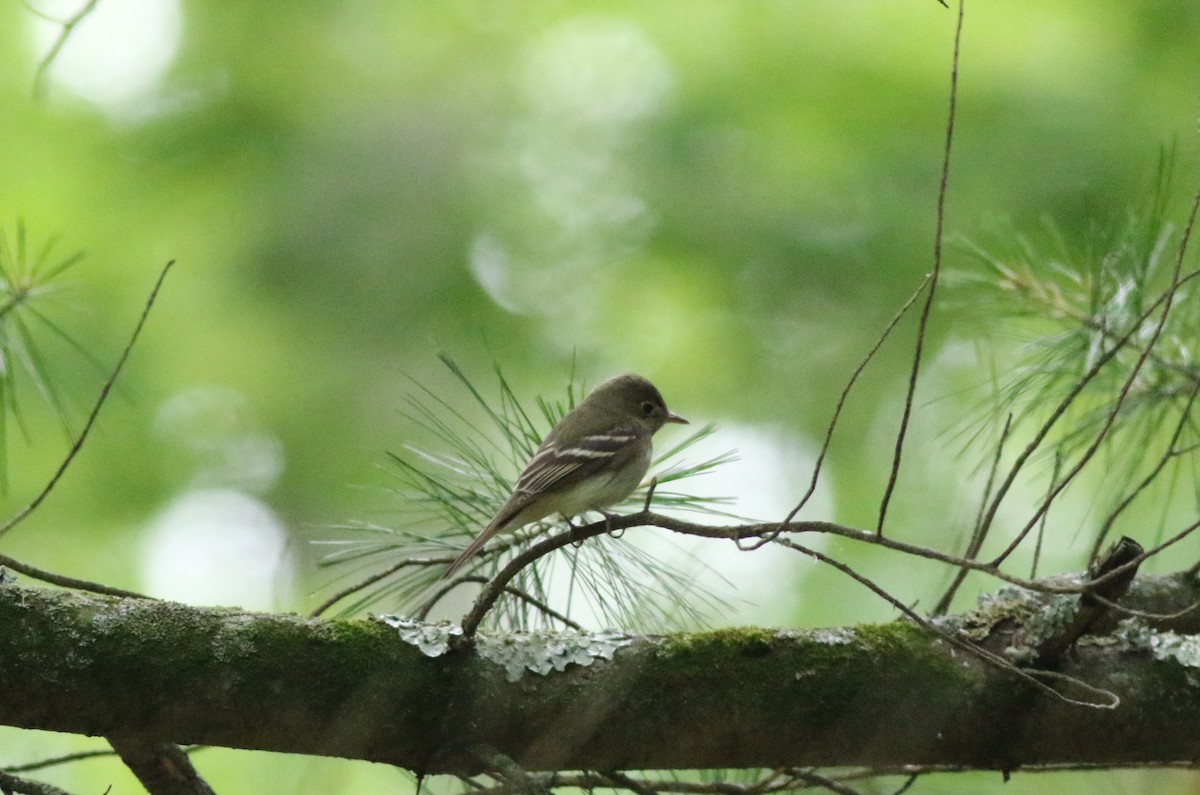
(1065, 403)
(837, 410)
(1041, 534)
(54, 761)
(1167, 301)
(1170, 453)
(1143, 614)
(1122, 570)
(1111, 700)
(66, 582)
(492, 591)
(91, 420)
(790, 780)
(23, 786)
(496, 587)
(162, 768)
(622, 781)
(979, 532)
(68, 27)
(516, 776)
(376, 577)
(776, 781)
(813, 779)
(650, 494)
(512, 590)
(933, 280)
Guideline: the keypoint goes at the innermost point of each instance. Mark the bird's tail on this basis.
(471, 550)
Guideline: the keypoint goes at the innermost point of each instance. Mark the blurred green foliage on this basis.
(729, 197)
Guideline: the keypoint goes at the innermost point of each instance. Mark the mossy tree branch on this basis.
(869, 696)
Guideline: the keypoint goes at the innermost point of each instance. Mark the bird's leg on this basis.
(650, 494)
(608, 517)
(575, 540)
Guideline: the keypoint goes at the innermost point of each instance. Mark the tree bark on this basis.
(882, 695)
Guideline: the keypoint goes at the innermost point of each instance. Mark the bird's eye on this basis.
(647, 407)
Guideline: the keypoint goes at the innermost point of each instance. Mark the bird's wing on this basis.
(556, 466)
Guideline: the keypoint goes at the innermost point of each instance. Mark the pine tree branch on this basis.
(874, 696)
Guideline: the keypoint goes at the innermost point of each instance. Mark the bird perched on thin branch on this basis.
(593, 458)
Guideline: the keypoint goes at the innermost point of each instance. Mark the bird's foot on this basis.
(576, 541)
(608, 528)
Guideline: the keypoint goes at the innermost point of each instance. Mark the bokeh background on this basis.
(730, 198)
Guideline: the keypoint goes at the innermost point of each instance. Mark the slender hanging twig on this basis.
(933, 279)
(837, 410)
(91, 420)
(68, 27)
(979, 532)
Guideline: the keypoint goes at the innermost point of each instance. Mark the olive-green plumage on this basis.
(593, 458)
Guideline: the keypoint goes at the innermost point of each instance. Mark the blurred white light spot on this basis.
(773, 470)
(490, 265)
(218, 547)
(219, 431)
(117, 54)
(590, 84)
(597, 71)
(769, 477)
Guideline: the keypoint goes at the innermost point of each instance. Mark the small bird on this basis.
(593, 458)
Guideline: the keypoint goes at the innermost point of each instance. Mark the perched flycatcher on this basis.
(593, 458)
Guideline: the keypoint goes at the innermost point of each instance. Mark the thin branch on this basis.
(933, 281)
(68, 27)
(1167, 301)
(650, 494)
(512, 590)
(776, 781)
(622, 781)
(1069, 399)
(492, 591)
(1041, 534)
(496, 587)
(1030, 676)
(91, 420)
(66, 582)
(1121, 571)
(1171, 452)
(824, 783)
(837, 410)
(1144, 614)
(23, 786)
(54, 761)
(516, 776)
(161, 768)
(374, 578)
(979, 532)
(734, 532)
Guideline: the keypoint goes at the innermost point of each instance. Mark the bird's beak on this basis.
(675, 418)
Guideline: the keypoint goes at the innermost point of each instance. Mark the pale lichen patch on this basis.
(516, 652)
(834, 636)
(433, 639)
(1163, 645)
(543, 652)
